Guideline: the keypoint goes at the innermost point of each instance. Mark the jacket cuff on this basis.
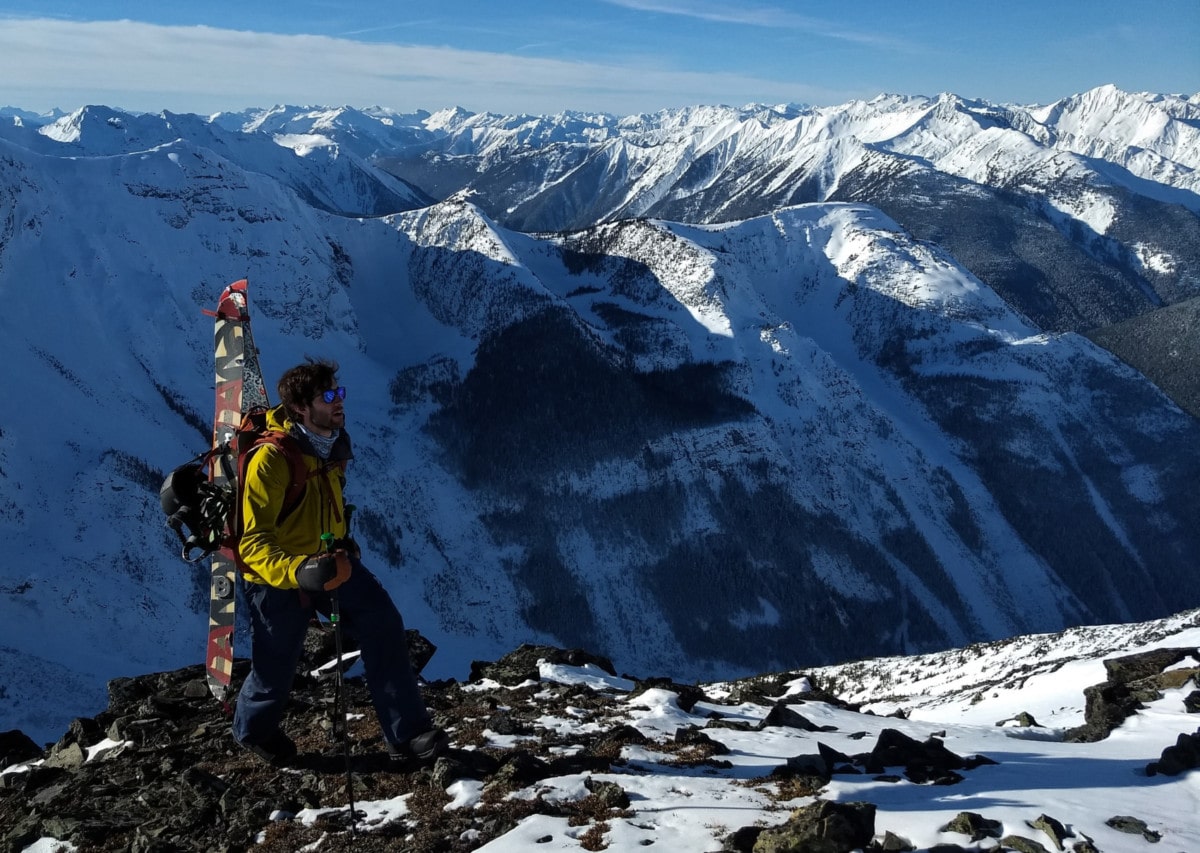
(291, 572)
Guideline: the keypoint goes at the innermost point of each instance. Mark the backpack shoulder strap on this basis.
(298, 478)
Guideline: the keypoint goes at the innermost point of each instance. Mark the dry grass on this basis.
(593, 839)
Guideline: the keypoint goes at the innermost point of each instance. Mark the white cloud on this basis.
(199, 69)
(763, 16)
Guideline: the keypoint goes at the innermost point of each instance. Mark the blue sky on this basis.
(617, 56)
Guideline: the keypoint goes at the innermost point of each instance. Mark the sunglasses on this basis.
(338, 393)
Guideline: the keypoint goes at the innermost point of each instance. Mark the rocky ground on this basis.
(158, 771)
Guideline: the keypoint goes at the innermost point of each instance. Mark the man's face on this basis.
(322, 417)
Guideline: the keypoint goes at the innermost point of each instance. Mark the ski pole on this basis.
(340, 711)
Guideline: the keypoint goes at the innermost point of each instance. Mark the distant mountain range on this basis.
(1081, 213)
(711, 391)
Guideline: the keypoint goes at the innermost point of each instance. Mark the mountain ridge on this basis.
(701, 447)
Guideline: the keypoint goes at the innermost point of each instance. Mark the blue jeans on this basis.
(279, 619)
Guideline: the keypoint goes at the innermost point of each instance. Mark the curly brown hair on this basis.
(300, 385)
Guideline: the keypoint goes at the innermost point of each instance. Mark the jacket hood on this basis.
(278, 419)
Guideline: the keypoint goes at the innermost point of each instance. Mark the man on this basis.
(289, 571)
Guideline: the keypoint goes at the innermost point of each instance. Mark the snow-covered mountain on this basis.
(788, 439)
(1081, 213)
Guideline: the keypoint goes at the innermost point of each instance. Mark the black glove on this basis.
(324, 572)
(349, 546)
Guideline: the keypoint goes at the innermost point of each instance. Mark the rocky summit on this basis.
(543, 742)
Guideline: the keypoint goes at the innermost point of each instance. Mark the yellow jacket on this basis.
(272, 549)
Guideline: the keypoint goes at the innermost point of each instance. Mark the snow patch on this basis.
(1154, 259)
(304, 143)
(766, 614)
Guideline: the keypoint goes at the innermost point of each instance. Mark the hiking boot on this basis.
(278, 750)
(424, 747)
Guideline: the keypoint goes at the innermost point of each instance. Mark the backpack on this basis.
(207, 515)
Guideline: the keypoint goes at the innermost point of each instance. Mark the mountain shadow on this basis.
(1165, 346)
(1098, 523)
(544, 396)
(757, 590)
